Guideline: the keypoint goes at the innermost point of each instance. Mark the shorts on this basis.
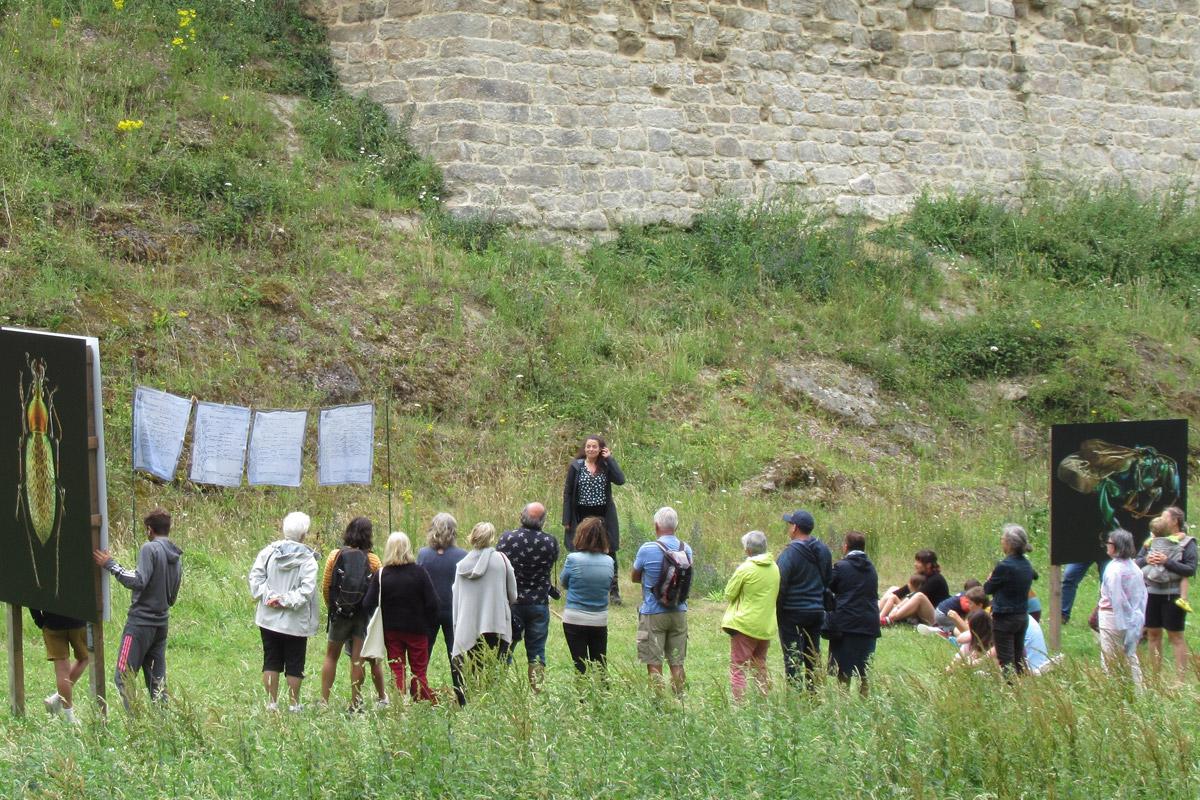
(343, 629)
(942, 620)
(1161, 612)
(283, 653)
(662, 635)
(59, 644)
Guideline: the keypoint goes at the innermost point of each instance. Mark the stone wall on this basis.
(583, 114)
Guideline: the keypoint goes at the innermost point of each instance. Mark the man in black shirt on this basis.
(532, 553)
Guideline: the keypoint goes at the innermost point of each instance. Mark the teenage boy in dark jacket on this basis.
(155, 585)
(805, 569)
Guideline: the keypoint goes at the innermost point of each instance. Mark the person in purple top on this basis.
(532, 553)
(440, 557)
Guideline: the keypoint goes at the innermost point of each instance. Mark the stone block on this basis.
(1002, 8)
(486, 89)
(846, 10)
(535, 175)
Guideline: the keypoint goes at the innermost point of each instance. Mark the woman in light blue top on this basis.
(587, 575)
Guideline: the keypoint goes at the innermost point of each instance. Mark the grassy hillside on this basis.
(198, 193)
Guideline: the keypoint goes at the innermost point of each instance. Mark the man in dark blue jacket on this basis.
(805, 568)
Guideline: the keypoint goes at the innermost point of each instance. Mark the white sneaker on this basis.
(53, 703)
(295, 709)
(69, 716)
(382, 703)
(932, 630)
(272, 706)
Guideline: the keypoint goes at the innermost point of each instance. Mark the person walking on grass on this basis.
(63, 637)
(1163, 610)
(1009, 587)
(751, 594)
(440, 557)
(284, 582)
(343, 586)
(155, 586)
(532, 553)
(1122, 606)
(587, 575)
(664, 569)
(485, 586)
(403, 590)
(852, 627)
(805, 569)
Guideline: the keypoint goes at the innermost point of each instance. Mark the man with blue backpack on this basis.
(664, 568)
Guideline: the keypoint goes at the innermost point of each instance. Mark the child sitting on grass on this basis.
(977, 642)
(896, 594)
(1161, 541)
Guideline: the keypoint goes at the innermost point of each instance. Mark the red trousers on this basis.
(747, 654)
(412, 648)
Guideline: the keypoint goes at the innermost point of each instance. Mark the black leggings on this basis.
(446, 625)
(587, 643)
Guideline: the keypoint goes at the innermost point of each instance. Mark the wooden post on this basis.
(16, 661)
(1056, 608)
(97, 521)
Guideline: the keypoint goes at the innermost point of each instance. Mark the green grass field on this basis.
(232, 226)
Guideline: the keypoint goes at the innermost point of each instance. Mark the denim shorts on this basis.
(531, 624)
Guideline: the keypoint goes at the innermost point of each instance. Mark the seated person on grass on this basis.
(977, 642)
(950, 616)
(897, 594)
(920, 606)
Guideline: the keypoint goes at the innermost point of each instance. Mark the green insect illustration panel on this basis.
(1108, 475)
(45, 503)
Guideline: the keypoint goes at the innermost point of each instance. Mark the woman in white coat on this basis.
(484, 586)
(284, 582)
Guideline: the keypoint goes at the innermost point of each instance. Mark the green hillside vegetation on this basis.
(196, 191)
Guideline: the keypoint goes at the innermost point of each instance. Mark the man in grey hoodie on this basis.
(155, 585)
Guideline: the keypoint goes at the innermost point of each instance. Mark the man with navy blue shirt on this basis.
(805, 568)
(662, 631)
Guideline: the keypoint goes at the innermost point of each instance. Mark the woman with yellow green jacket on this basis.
(750, 618)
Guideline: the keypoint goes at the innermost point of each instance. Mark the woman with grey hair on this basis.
(1122, 606)
(439, 558)
(284, 582)
(1009, 587)
(750, 618)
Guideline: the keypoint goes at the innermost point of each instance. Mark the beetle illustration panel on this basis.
(45, 502)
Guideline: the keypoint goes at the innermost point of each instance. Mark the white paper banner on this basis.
(276, 448)
(346, 444)
(160, 422)
(219, 444)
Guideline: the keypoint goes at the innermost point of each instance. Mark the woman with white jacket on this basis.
(484, 586)
(284, 582)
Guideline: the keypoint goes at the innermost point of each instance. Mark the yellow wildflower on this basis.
(177, 42)
(55, 22)
(224, 97)
(1037, 325)
(118, 4)
(126, 125)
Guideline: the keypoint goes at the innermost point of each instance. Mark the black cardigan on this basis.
(570, 494)
(410, 604)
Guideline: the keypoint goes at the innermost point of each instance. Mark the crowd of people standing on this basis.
(488, 600)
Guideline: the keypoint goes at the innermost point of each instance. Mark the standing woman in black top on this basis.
(1009, 587)
(587, 492)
